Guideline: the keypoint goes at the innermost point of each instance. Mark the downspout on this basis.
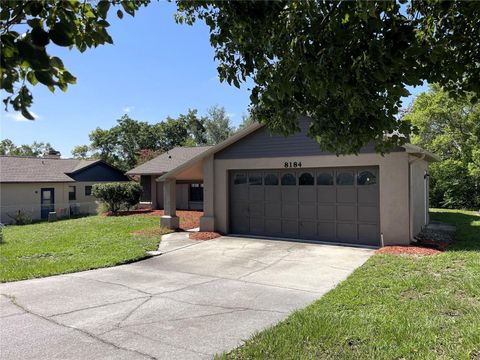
(410, 197)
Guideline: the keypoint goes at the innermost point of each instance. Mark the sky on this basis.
(156, 68)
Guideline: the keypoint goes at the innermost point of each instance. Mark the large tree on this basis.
(347, 64)
(28, 27)
(449, 127)
(7, 147)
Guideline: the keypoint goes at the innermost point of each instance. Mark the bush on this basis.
(118, 195)
(21, 217)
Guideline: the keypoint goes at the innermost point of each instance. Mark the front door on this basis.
(47, 201)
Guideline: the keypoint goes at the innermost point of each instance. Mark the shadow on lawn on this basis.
(467, 236)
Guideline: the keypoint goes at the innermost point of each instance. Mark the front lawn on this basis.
(393, 307)
(66, 246)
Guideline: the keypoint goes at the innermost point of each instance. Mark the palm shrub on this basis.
(118, 195)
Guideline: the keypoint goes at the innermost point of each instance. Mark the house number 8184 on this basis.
(292, 164)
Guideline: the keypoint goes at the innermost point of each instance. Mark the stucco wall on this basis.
(27, 196)
(393, 177)
(418, 196)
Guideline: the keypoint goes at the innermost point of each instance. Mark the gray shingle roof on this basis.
(32, 169)
(168, 160)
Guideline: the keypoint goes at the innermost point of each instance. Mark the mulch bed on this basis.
(204, 235)
(428, 242)
(188, 219)
(408, 250)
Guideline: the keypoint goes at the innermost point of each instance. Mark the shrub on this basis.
(21, 217)
(118, 195)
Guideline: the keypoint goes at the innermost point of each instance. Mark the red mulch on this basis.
(408, 250)
(188, 219)
(204, 235)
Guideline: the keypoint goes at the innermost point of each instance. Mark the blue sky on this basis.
(154, 69)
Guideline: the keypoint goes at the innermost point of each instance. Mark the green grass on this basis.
(393, 307)
(66, 246)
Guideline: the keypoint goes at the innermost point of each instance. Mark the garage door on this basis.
(323, 204)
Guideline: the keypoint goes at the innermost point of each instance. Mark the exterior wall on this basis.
(418, 195)
(182, 195)
(262, 144)
(393, 177)
(26, 197)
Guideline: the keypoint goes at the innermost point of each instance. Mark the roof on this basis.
(35, 169)
(409, 148)
(168, 160)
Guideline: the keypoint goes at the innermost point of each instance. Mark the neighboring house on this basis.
(40, 185)
(189, 193)
(260, 184)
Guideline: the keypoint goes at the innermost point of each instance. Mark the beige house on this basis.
(258, 184)
(188, 193)
(37, 186)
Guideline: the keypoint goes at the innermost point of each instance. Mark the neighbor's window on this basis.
(88, 190)
(306, 179)
(72, 193)
(271, 179)
(289, 179)
(196, 192)
(325, 179)
(345, 178)
(366, 178)
(255, 179)
(240, 179)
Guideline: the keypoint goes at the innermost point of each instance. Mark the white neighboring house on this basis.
(39, 185)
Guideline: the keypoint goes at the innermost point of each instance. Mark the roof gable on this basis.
(168, 161)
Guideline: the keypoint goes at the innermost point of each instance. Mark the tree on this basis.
(346, 64)
(81, 152)
(450, 128)
(28, 27)
(196, 126)
(7, 147)
(217, 125)
(172, 132)
(247, 120)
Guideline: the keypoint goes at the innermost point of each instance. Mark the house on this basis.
(260, 184)
(189, 193)
(39, 185)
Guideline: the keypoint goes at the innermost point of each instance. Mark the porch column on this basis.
(153, 191)
(169, 220)
(207, 221)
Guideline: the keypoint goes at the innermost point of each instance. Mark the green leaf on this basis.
(61, 35)
(69, 78)
(120, 14)
(40, 36)
(103, 7)
(31, 78)
(56, 62)
(44, 77)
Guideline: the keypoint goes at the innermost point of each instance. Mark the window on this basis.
(306, 179)
(72, 193)
(196, 192)
(240, 179)
(289, 179)
(88, 190)
(345, 178)
(366, 178)
(271, 179)
(325, 179)
(255, 179)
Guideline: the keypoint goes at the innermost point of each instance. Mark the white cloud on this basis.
(17, 116)
(128, 109)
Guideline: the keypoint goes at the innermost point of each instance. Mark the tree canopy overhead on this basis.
(346, 64)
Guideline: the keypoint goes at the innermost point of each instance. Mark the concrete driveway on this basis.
(195, 300)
